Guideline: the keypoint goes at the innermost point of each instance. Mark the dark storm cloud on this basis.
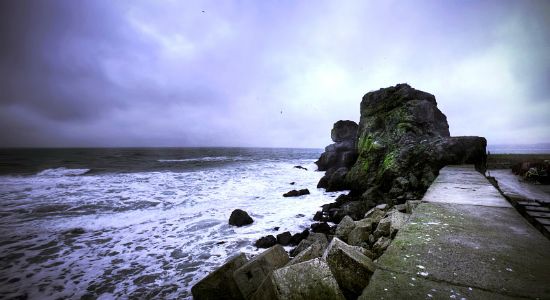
(267, 73)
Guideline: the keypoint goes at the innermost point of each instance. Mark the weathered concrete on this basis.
(220, 282)
(392, 285)
(464, 238)
(307, 280)
(249, 276)
(464, 185)
(513, 186)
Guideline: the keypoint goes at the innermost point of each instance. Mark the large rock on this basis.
(266, 241)
(360, 233)
(338, 157)
(307, 280)
(249, 276)
(402, 142)
(344, 228)
(240, 218)
(220, 283)
(310, 240)
(350, 267)
(313, 251)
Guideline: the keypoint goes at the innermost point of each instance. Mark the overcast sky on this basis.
(264, 73)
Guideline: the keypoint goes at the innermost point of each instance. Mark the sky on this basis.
(263, 73)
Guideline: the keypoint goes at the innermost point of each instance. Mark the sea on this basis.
(141, 223)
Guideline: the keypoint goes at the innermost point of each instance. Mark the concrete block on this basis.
(220, 282)
(350, 267)
(249, 276)
(344, 228)
(307, 280)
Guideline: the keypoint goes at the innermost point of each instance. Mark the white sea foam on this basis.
(62, 172)
(207, 158)
(143, 232)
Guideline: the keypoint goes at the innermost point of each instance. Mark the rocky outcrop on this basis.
(402, 142)
(339, 156)
(296, 193)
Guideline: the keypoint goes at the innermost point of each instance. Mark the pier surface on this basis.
(464, 240)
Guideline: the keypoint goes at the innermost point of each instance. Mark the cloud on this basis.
(232, 73)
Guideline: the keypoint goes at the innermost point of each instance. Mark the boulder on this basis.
(220, 281)
(397, 221)
(411, 205)
(313, 251)
(360, 234)
(321, 227)
(375, 214)
(350, 267)
(249, 276)
(300, 167)
(284, 238)
(296, 193)
(381, 245)
(383, 228)
(307, 280)
(266, 242)
(310, 240)
(344, 228)
(240, 218)
(298, 237)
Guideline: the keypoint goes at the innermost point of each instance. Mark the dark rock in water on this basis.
(298, 237)
(284, 238)
(293, 183)
(220, 282)
(402, 142)
(321, 228)
(295, 193)
(300, 167)
(319, 216)
(266, 242)
(276, 228)
(240, 218)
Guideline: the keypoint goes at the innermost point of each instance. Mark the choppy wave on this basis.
(141, 234)
(207, 158)
(62, 172)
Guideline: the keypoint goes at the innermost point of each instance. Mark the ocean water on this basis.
(540, 148)
(141, 223)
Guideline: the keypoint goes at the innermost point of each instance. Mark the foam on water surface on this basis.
(145, 234)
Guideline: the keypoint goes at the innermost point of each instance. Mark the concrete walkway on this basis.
(464, 241)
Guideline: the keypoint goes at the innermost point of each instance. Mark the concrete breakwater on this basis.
(464, 240)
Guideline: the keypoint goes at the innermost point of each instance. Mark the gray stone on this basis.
(307, 280)
(350, 267)
(318, 237)
(401, 207)
(398, 220)
(411, 205)
(383, 228)
(381, 245)
(311, 252)
(220, 282)
(310, 240)
(376, 214)
(360, 234)
(344, 228)
(249, 276)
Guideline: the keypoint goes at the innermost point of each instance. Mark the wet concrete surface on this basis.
(514, 186)
(463, 244)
